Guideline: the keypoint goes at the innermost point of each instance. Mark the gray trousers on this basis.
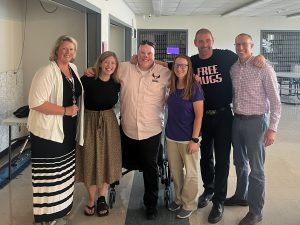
(249, 159)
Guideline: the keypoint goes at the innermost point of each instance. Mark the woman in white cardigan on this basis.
(55, 119)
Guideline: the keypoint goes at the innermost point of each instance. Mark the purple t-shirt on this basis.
(181, 114)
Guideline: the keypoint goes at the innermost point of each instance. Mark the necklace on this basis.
(71, 82)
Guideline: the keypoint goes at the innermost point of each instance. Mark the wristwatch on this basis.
(196, 140)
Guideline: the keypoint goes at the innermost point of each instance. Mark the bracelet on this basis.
(65, 110)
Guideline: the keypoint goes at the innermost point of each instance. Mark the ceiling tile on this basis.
(214, 7)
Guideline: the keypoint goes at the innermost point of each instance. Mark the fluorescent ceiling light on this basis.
(293, 15)
(245, 6)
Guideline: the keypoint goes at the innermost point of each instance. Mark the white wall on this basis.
(117, 41)
(224, 29)
(42, 30)
(116, 8)
(11, 78)
(11, 24)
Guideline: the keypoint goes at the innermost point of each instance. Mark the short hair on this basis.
(100, 59)
(146, 42)
(204, 31)
(58, 43)
(244, 34)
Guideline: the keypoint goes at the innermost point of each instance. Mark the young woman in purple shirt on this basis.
(185, 111)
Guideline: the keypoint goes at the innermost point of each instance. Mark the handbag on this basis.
(22, 111)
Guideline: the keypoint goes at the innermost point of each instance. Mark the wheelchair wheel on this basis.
(167, 197)
(162, 175)
(167, 174)
(112, 197)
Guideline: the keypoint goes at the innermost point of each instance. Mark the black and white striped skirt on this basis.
(53, 169)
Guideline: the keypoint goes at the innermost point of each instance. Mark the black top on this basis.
(215, 77)
(69, 122)
(100, 95)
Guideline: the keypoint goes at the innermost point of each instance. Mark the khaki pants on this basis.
(185, 183)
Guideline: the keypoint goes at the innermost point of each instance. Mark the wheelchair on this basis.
(164, 175)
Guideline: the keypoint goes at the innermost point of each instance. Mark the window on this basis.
(169, 43)
(282, 49)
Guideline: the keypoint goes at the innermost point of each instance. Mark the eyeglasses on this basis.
(244, 44)
(182, 66)
(146, 42)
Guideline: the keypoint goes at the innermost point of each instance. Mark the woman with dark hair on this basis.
(98, 162)
(53, 121)
(185, 111)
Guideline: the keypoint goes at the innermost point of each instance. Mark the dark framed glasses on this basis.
(182, 66)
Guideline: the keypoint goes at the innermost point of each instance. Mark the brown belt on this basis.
(247, 117)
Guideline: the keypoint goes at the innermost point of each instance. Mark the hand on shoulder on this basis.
(89, 72)
(259, 61)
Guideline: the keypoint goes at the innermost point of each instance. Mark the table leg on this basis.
(9, 152)
(279, 84)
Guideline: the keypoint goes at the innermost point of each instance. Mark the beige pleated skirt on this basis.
(99, 159)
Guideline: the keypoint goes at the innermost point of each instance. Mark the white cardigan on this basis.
(47, 85)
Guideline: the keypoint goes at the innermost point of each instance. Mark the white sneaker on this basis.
(174, 207)
(61, 221)
(182, 214)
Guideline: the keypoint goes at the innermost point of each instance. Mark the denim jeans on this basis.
(249, 159)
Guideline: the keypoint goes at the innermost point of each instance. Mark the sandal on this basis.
(89, 210)
(102, 207)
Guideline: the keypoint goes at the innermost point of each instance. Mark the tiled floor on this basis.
(282, 189)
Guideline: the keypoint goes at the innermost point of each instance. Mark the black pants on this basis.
(142, 154)
(215, 153)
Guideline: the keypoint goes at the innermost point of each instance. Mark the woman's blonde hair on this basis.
(101, 58)
(58, 43)
(189, 78)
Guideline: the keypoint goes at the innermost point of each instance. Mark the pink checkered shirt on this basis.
(255, 91)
